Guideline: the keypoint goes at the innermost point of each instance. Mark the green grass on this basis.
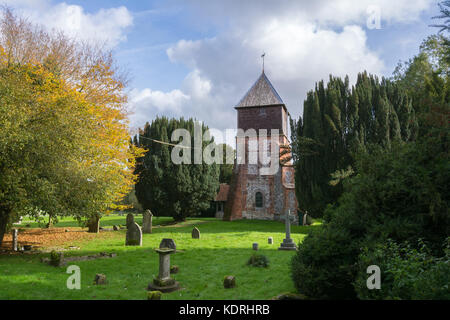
(223, 249)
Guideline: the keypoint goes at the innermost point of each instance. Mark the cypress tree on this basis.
(339, 121)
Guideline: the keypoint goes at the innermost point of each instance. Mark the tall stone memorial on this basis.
(288, 243)
(147, 222)
(164, 282)
(15, 234)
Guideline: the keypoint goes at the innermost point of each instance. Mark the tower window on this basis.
(259, 200)
(262, 112)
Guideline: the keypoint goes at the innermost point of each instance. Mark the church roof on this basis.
(222, 195)
(262, 93)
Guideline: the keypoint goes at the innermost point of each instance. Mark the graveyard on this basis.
(219, 249)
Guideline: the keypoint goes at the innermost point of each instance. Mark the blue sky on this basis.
(197, 58)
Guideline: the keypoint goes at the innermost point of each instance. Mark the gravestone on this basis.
(147, 221)
(255, 246)
(130, 219)
(15, 234)
(100, 279)
(270, 240)
(168, 243)
(116, 228)
(229, 282)
(195, 233)
(163, 282)
(306, 220)
(288, 243)
(174, 269)
(134, 235)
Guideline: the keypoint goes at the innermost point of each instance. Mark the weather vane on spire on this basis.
(262, 56)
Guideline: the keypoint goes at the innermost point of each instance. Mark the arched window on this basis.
(259, 200)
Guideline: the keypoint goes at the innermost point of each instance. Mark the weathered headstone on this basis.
(270, 240)
(288, 243)
(116, 228)
(306, 220)
(229, 282)
(130, 219)
(134, 235)
(168, 243)
(100, 279)
(57, 259)
(147, 222)
(15, 234)
(174, 269)
(154, 295)
(164, 282)
(195, 233)
(255, 246)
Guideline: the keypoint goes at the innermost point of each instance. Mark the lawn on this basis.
(223, 250)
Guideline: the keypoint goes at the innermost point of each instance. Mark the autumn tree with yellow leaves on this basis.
(64, 140)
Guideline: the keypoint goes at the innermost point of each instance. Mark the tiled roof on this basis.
(222, 195)
(262, 93)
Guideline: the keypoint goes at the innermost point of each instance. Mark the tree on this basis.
(64, 146)
(445, 14)
(166, 188)
(226, 169)
(338, 122)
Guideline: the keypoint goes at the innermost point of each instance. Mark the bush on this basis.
(400, 193)
(258, 260)
(407, 272)
(323, 265)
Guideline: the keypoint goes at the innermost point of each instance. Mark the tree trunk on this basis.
(94, 224)
(4, 215)
(50, 223)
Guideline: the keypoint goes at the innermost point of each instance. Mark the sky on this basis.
(198, 58)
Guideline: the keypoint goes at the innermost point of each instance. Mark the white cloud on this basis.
(298, 54)
(305, 41)
(106, 26)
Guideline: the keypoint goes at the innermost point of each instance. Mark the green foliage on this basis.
(226, 169)
(258, 260)
(322, 267)
(338, 122)
(166, 188)
(401, 195)
(407, 272)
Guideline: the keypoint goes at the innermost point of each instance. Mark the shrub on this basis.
(400, 193)
(323, 265)
(258, 260)
(407, 272)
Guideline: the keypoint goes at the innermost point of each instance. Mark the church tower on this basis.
(253, 195)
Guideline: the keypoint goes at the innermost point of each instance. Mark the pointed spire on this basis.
(262, 93)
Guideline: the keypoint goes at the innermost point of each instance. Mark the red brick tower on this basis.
(253, 195)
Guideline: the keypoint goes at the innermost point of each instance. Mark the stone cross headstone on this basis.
(255, 246)
(270, 240)
(134, 235)
(15, 234)
(147, 221)
(288, 243)
(164, 282)
(130, 219)
(195, 233)
(168, 243)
